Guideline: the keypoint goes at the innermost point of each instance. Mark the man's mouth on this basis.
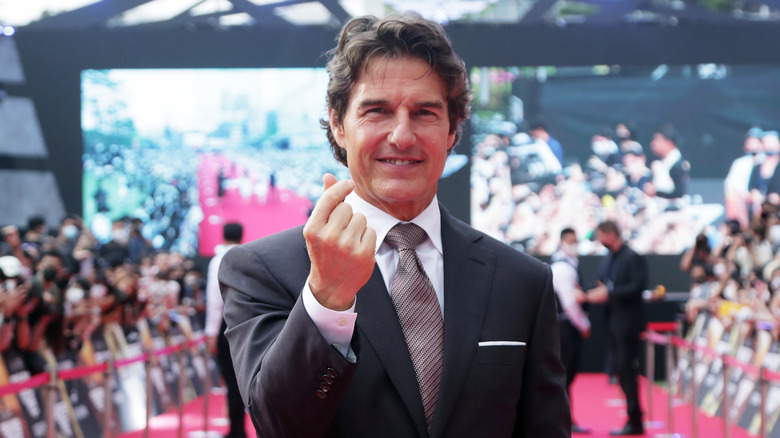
(400, 162)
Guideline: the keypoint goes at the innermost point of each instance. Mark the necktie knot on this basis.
(405, 236)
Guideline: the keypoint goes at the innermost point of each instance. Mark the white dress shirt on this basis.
(337, 327)
(662, 179)
(214, 303)
(565, 281)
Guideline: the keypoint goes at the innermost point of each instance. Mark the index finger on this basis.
(333, 195)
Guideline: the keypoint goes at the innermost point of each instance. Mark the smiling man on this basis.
(384, 316)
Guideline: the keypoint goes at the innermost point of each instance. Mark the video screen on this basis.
(654, 148)
(188, 150)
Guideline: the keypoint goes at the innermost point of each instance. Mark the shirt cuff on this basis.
(335, 326)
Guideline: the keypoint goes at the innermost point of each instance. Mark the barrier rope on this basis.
(31, 383)
(657, 338)
(79, 372)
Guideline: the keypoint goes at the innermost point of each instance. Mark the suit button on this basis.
(321, 394)
(327, 379)
(332, 373)
(324, 387)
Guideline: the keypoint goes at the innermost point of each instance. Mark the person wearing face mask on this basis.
(572, 319)
(116, 252)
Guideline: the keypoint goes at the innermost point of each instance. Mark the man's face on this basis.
(607, 238)
(396, 132)
(660, 145)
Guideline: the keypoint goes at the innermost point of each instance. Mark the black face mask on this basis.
(49, 274)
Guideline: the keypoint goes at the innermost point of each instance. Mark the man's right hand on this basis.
(341, 247)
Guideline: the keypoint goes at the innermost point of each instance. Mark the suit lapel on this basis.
(468, 270)
(378, 323)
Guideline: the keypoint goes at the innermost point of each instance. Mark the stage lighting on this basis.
(7, 30)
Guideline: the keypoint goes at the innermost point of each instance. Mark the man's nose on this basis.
(402, 134)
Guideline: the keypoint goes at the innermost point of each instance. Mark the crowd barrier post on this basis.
(206, 390)
(670, 383)
(650, 370)
(182, 375)
(726, 398)
(694, 395)
(149, 389)
(51, 400)
(763, 388)
(108, 411)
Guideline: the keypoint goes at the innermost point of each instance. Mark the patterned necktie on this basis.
(419, 313)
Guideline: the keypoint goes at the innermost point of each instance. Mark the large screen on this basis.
(188, 150)
(557, 147)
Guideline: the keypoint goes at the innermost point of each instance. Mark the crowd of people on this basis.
(57, 288)
(524, 194)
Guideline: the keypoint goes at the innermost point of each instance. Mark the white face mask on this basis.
(70, 232)
(604, 147)
(570, 249)
(98, 291)
(74, 295)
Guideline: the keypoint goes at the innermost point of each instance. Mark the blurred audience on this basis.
(58, 287)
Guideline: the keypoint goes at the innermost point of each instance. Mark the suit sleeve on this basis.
(633, 276)
(544, 410)
(290, 379)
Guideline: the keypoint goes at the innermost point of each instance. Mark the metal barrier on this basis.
(653, 337)
(50, 381)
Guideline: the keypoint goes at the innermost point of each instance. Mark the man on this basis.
(622, 279)
(538, 131)
(334, 332)
(670, 172)
(573, 322)
(736, 186)
(232, 234)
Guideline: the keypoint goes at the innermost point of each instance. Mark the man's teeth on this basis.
(400, 162)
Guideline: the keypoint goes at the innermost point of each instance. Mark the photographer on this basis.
(13, 292)
(698, 260)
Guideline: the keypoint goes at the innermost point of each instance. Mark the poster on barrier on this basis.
(162, 377)
(711, 391)
(740, 382)
(13, 423)
(95, 351)
(125, 343)
(180, 333)
(198, 322)
(711, 404)
(765, 352)
(770, 358)
(31, 400)
(73, 402)
(713, 339)
(696, 335)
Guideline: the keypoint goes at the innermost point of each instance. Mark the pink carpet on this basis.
(597, 405)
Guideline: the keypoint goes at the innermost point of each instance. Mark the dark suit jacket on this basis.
(491, 293)
(626, 306)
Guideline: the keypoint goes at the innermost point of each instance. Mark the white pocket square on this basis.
(501, 343)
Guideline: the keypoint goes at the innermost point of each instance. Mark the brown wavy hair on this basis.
(364, 38)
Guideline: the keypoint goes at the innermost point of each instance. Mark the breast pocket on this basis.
(501, 352)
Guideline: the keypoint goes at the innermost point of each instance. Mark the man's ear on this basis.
(335, 126)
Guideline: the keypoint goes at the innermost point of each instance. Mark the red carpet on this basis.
(598, 406)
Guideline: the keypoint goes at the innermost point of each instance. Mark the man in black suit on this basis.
(321, 342)
(670, 172)
(622, 279)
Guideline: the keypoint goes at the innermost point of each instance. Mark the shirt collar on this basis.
(672, 157)
(429, 220)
